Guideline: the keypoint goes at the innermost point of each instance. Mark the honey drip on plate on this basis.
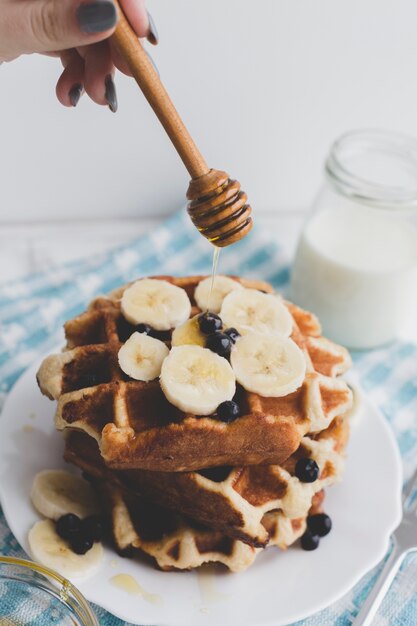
(216, 255)
(208, 587)
(130, 585)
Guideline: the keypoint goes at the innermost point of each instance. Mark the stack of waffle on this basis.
(186, 488)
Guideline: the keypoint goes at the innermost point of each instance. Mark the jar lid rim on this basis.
(400, 148)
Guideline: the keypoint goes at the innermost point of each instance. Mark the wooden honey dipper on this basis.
(217, 205)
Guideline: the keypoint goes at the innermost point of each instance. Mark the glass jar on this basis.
(356, 262)
(33, 594)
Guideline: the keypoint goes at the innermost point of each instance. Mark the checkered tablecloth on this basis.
(33, 309)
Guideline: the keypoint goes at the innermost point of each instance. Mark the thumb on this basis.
(54, 25)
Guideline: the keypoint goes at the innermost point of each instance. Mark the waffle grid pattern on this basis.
(136, 427)
(183, 540)
(34, 308)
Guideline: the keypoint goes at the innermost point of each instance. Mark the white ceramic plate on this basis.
(279, 588)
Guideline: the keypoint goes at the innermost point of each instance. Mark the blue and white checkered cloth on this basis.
(33, 309)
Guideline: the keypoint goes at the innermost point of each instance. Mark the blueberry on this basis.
(309, 541)
(228, 411)
(93, 527)
(144, 328)
(209, 323)
(319, 524)
(68, 526)
(307, 470)
(232, 333)
(219, 343)
(81, 544)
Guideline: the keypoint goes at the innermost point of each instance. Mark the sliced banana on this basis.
(56, 492)
(141, 357)
(221, 287)
(188, 334)
(250, 310)
(196, 380)
(155, 302)
(270, 365)
(49, 549)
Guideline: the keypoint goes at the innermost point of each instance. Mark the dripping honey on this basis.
(216, 255)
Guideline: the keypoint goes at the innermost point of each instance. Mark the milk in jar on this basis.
(356, 263)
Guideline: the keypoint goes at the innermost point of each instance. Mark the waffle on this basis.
(176, 542)
(232, 501)
(137, 428)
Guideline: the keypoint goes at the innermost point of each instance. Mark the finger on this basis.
(98, 75)
(60, 54)
(118, 60)
(67, 56)
(137, 16)
(50, 25)
(70, 85)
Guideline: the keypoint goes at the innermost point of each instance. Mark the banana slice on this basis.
(49, 549)
(141, 357)
(221, 287)
(196, 380)
(56, 492)
(157, 303)
(270, 365)
(250, 310)
(188, 334)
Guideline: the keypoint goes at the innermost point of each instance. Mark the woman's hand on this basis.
(76, 32)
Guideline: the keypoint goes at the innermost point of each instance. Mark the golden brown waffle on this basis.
(176, 542)
(233, 501)
(136, 427)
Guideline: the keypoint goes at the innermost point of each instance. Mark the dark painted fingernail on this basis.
(110, 93)
(96, 17)
(152, 36)
(153, 63)
(75, 94)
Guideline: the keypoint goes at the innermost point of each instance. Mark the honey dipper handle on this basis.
(148, 80)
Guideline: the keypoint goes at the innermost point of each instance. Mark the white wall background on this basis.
(264, 86)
